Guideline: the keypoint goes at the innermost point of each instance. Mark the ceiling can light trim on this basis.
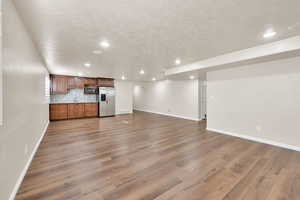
(104, 44)
(87, 64)
(142, 72)
(177, 61)
(269, 34)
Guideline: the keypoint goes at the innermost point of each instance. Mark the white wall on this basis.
(170, 97)
(124, 97)
(25, 104)
(202, 99)
(260, 101)
(1, 81)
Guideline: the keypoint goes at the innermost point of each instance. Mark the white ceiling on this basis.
(150, 35)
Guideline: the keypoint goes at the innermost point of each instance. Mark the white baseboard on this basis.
(22, 175)
(256, 139)
(124, 112)
(171, 115)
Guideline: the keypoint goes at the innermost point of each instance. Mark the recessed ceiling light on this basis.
(177, 61)
(269, 34)
(123, 77)
(142, 72)
(97, 52)
(87, 64)
(192, 77)
(153, 79)
(105, 44)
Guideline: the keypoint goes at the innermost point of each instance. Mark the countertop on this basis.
(70, 102)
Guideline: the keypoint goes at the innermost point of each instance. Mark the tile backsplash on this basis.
(73, 96)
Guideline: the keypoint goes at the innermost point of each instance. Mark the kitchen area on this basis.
(73, 97)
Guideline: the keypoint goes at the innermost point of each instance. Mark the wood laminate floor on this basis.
(147, 156)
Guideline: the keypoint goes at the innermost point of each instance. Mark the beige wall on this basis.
(124, 97)
(25, 105)
(1, 81)
(260, 101)
(170, 97)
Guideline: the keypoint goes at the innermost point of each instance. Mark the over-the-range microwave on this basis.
(90, 90)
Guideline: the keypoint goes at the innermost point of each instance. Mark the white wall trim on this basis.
(22, 175)
(124, 112)
(256, 139)
(167, 114)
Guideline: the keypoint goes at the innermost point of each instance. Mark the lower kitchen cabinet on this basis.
(58, 111)
(91, 109)
(75, 110)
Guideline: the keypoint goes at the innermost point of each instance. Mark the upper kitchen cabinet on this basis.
(106, 82)
(90, 81)
(59, 84)
(76, 82)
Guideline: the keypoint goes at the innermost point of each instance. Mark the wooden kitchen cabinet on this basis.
(76, 110)
(90, 81)
(58, 111)
(76, 82)
(106, 82)
(91, 109)
(59, 84)
(73, 111)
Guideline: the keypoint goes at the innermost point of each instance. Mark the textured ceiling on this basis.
(149, 35)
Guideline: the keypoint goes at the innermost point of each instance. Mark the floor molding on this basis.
(171, 115)
(256, 139)
(21, 177)
(124, 112)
